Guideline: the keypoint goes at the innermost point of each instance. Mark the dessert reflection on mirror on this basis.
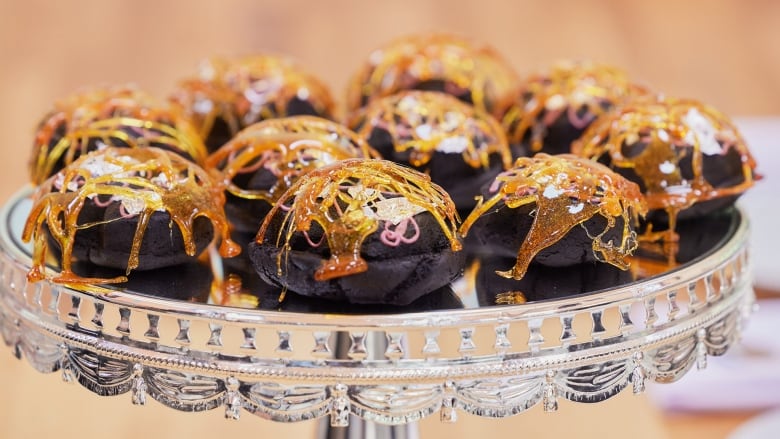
(688, 158)
(189, 281)
(127, 208)
(555, 107)
(227, 95)
(261, 162)
(542, 282)
(365, 231)
(116, 116)
(557, 211)
(439, 299)
(459, 146)
(697, 237)
(475, 74)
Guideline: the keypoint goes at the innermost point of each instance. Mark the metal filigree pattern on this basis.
(184, 391)
(102, 375)
(395, 404)
(391, 369)
(285, 403)
(500, 397)
(595, 382)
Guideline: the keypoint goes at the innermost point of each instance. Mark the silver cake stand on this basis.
(375, 372)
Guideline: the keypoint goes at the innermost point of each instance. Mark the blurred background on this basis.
(723, 52)
(726, 53)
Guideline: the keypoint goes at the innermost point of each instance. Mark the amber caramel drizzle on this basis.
(288, 147)
(107, 115)
(566, 191)
(144, 181)
(566, 89)
(342, 198)
(231, 292)
(511, 298)
(247, 90)
(409, 61)
(668, 130)
(425, 122)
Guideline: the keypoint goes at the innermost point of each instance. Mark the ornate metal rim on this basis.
(391, 369)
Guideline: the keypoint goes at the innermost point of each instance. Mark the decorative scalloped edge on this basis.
(495, 397)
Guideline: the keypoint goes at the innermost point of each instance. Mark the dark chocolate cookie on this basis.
(126, 208)
(556, 211)
(364, 231)
(229, 95)
(688, 159)
(460, 147)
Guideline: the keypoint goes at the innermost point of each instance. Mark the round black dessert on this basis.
(116, 116)
(472, 73)
(688, 159)
(460, 147)
(364, 231)
(556, 107)
(110, 244)
(556, 211)
(229, 95)
(503, 230)
(130, 209)
(264, 159)
(395, 275)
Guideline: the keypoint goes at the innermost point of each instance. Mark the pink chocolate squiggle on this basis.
(579, 122)
(312, 243)
(394, 237)
(96, 201)
(124, 213)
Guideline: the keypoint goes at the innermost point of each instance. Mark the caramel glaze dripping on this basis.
(108, 115)
(445, 119)
(247, 90)
(288, 147)
(567, 191)
(565, 91)
(155, 178)
(408, 62)
(339, 197)
(652, 135)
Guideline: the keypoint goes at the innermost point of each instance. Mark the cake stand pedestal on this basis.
(382, 372)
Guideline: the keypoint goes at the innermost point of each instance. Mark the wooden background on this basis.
(724, 52)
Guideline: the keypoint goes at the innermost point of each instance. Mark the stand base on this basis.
(362, 429)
